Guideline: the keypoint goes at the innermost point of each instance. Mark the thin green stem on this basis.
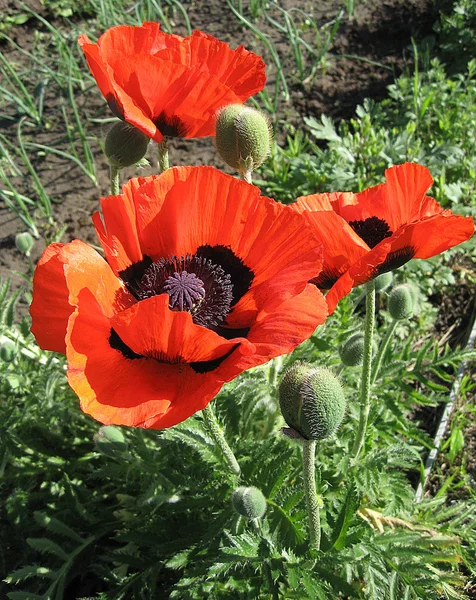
(312, 503)
(366, 369)
(216, 432)
(163, 157)
(114, 177)
(383, 349)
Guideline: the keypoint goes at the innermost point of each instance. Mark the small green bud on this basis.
(243, 137)
(24, 242)
(352, 350)
(7, 351)
(110, 440)
(125, 145)
(382, 282)
(312, 401)
(400, 302)
(249, 502)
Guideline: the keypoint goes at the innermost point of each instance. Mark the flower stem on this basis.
(366, 369)
(246, 176)
(309, 474)
(163, 161)
(114, 177)
(382, 349)
(216, 432)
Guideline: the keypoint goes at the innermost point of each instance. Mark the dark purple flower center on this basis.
(372, 230)
(207, 284)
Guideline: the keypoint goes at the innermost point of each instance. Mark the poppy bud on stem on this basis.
(216, 432)
(401, 304)
(243, 138)
(125, 146)
(313, 405)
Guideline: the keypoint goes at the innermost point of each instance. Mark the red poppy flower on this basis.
(204, 278)
(379, 229)
(166, 85)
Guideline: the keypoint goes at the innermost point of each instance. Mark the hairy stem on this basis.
(163, 155)
(214, 429)
(366, 369)
(382, 349)
(114, 177)
(309, 474)
(246, 176)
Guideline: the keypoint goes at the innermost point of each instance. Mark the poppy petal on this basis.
(423, 239)
(143, 391)
(397, 201)
(64, 270)
(341, 245)
(279, 332)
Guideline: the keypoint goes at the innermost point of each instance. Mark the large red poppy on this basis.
(379, 229)
(204, 278)
(166, 85)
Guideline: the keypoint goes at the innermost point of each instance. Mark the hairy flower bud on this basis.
(24, 242)
(312, 401)
(400, 302)
(352, 350)
(249, 502)
(125, 145)
(382, 282)
(7, 351)
(243, 137)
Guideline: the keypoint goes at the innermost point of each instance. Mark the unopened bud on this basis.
(382, 282)
(24, 242)
(243, 137)
(352, 350)
(110, 440)
(125, 145)
(249, 502)
(400, 302)
(312, 401)
(7, 351)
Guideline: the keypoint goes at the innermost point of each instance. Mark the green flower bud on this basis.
(400, 302)
(125, 145)
(352, 350)
(249, 502)
(7, 351)
(312, 401)
(243, 137)
(110, 440)
(24, 242)
(382, 282)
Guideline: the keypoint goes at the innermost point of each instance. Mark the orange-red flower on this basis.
(379, 229)
(170, 86)
(204, 278)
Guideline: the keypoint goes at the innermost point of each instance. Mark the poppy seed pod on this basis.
(312, 401)
(382, 282)
(400, 302)
(125, 145)
(24, 242)
(243, 137)
(249, 502)
(352, 350)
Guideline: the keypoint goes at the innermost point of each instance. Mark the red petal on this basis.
(423, 239)
(279, 332)
(141, 392)
(61, 273)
